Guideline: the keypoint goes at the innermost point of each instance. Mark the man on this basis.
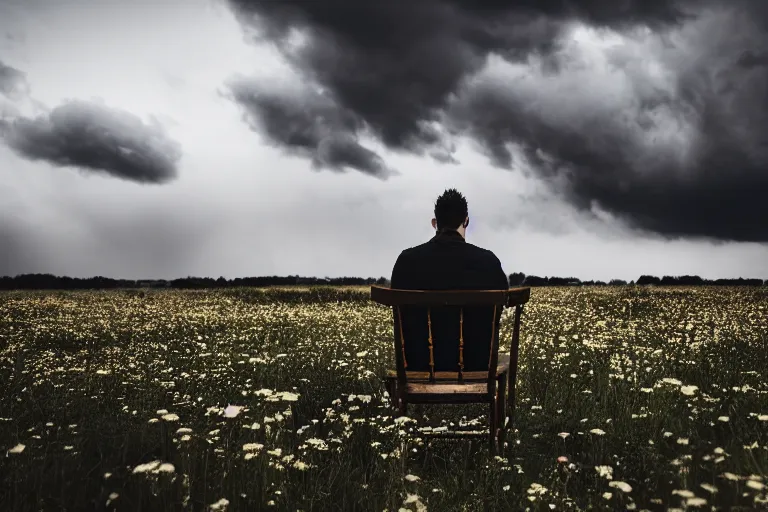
(448, 262)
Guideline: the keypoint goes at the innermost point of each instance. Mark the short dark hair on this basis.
(450, 209)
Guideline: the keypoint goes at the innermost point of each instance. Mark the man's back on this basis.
(448, 262)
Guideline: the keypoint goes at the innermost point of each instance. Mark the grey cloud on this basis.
(85, 135)
(13, 82)
(16, 254)
(154, 242)
(751, 59)
(94, 137)
(342, 150)
(309, 123)
(157, 240)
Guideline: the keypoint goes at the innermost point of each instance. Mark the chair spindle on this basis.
(402, 337)
(492, 371)
(431, 348)
(461, 345)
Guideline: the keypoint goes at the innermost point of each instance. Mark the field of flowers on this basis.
(243, 399)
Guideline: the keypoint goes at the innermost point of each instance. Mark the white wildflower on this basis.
(17, 449)
(689, 390)
(166, 467)
(220, 505)
(232, 411)
(147, 467)
(622, 486)
(605, 471)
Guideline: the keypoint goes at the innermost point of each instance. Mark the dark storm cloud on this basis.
(403, 69)
(392, 64)
(308, 123)
(95, 137)
(395, 64)
(629, 157)
(604, 161)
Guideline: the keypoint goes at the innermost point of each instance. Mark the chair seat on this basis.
(501, 369)
(424, 393)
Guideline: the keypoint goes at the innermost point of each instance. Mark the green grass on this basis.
(95, 384)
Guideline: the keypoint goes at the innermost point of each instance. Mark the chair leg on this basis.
(394, 396)
(501, 416)
(511, 402)
(396, 401)
(492, 428)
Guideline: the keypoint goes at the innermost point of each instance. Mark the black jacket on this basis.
(448, 262)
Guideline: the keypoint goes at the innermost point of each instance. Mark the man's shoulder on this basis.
(428, 246)
(486, 253)
(414, 250)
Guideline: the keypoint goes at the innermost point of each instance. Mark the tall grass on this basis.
(248, 399)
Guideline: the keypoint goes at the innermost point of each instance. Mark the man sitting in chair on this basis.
(448, 262)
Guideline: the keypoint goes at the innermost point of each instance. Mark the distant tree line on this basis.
(520, 279)
(51, 282)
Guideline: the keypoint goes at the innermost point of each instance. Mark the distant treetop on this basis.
(51, 282)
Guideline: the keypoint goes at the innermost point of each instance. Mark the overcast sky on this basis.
(595, 139)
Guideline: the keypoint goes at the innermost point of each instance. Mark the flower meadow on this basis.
(629, 398)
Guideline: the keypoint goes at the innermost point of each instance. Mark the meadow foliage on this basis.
(244, 399)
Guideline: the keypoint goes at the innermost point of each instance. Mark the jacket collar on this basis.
(448, 235)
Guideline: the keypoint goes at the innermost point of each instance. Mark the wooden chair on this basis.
(495, 385)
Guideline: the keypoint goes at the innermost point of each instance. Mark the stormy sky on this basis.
(592, 138)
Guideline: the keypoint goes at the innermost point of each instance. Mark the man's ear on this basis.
(466, 223)
(434, 223)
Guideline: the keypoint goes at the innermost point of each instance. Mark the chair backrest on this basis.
(467, 308)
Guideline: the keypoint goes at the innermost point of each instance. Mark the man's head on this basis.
(451, 211)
